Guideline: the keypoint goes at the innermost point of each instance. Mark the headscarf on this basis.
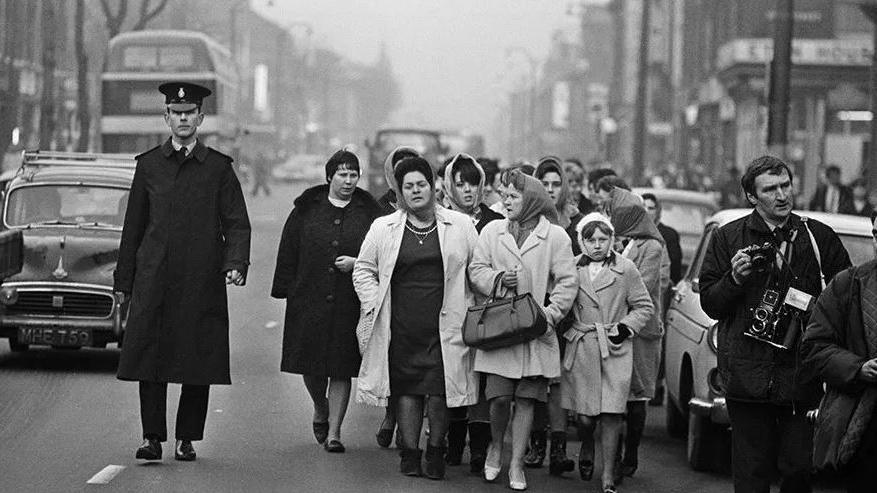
(411, 165)
(388, 167)
(535, 202)
(452, 195)
(551, 164)
(629, 217)
(590, 218)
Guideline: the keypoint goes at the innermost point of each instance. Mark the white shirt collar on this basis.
(177, 146)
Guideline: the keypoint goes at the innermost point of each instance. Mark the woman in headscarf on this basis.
(463, 191)
(389, 200)
(638, 239)
(550, 415)
(319, 245)
(612, 306)
(411, 279)
(524, 167)
(463, 188)
(527, 252)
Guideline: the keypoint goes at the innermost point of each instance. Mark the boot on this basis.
(435, 462)
(536, 454)
(559, 462)
(456, 442)
(410, 464)
(479, 439)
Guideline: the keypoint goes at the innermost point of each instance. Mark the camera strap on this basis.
(815, 250)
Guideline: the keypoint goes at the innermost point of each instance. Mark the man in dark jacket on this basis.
(840, 345)
(766, 393)
(833, 196)
(670, 235)
(186, 235)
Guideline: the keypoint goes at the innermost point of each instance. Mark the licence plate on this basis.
(54, 336)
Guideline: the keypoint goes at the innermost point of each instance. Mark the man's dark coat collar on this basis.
(758, 224)
(199, 151)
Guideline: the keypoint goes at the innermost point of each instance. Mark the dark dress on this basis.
(319, 334)
(417, 289)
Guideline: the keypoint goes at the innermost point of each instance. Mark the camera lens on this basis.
(760, 314)
(758, 327)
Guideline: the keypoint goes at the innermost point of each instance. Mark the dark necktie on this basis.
(181, 154)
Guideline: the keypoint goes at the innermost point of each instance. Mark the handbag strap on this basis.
(496, 283)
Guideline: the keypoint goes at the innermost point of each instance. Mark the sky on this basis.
(455, 59)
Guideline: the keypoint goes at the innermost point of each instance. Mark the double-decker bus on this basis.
(137, 62)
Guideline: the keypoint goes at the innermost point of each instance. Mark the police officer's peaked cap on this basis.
(183, 96)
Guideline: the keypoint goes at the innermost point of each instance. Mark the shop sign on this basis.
(825, 52)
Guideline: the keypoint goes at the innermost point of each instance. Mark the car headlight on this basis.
(713, 338)
(8, 296)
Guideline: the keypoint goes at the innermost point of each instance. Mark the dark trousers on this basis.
(767, 438)
(861, 474)
(191, 413)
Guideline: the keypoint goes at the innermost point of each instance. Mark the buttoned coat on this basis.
(372, 276)
(186, 225)
(597, 372)
(653, 263)
(546, 268)
(322, 310)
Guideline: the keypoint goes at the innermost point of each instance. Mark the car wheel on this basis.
(675, 419)
(706, 442)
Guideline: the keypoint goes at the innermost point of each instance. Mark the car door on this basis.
(687, 325)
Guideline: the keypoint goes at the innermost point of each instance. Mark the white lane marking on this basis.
(105, 475)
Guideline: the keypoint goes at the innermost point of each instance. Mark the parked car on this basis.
(301, 167)
(69, 208)
(686, 212)
(695, 398)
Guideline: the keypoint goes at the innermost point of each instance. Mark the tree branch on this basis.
(114, 21)
(147, 15)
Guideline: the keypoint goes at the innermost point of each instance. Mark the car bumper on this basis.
(112, 323)
(716, 409)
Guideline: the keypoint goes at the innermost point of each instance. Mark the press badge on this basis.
(798, 299)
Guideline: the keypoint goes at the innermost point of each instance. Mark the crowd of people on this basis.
(378, 289)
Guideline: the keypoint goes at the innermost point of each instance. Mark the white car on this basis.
(695, 399)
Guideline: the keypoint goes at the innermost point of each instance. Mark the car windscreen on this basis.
(74, 205)
(685, 217)
(860, 248)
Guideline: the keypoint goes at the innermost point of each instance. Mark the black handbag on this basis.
(503, 322)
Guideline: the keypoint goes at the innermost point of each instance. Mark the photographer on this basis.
(750, 267)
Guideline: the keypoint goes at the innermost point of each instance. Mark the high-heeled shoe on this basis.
(491, 472)
(517, 484)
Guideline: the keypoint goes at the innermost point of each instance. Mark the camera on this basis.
(761, 256)
(777, 320)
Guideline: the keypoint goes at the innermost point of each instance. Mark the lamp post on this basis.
(780, 79)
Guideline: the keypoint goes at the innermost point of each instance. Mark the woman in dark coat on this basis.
(320, 242)
(464, 192)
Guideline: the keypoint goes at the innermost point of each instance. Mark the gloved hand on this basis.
(623, 333)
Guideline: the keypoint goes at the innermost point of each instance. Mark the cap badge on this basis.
(181, 93)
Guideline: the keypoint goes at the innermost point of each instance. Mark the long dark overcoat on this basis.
(322, 309)
(185, 226)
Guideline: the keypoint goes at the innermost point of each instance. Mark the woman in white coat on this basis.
(529, 252)
(410, 277)
(612, 305)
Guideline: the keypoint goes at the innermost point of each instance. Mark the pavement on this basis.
(65, 420)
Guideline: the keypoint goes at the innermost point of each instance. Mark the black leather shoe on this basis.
(184, 450)
(150, 449)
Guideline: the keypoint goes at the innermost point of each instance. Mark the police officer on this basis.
(186, 235)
